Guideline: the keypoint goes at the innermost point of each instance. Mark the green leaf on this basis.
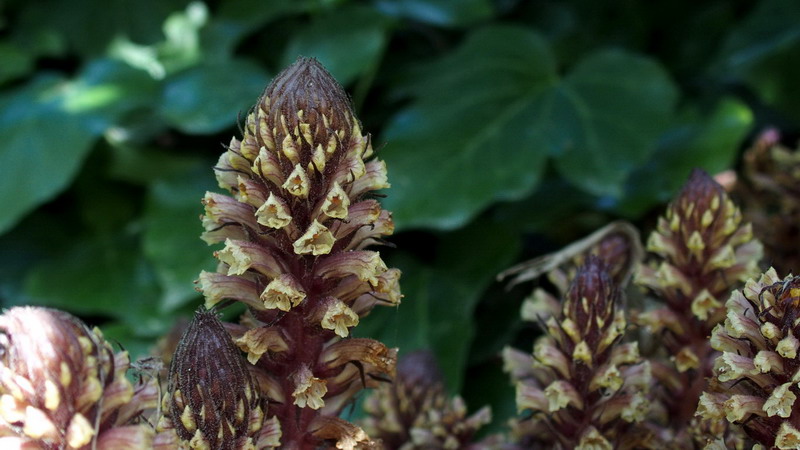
(609, 111)
(43, 146)
(446, 13)
(486, 117)
(760, 52)
(710, 143)
(208, 99)
(440, 298)
(347, 41)
(172, 232)
(14, 62)
(106, 90)
(104, 275)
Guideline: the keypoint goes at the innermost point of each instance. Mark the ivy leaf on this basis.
(207, 99)
(348, 41)
(440, 298)
(487, 117)
(172, 232)
(43, 146)
(710, 143)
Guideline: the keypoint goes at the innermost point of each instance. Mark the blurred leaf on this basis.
(43, 146)
(758, 51)
(172, 232)
(179, 49)
(88, 25)
(14, 62)
(347, 41)
(710, 143)
(486, 117)
(209, 98)
(234, 19)
(437, 310)
(105, 276)
(446, 13)
(105, 90)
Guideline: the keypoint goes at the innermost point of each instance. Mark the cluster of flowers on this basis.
(295, 228)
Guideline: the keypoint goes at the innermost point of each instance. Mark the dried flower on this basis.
(62, 386)
(212, 400)
(757, 374)
(415, 412)
(295, 234)
(589, 389)
(700, 251)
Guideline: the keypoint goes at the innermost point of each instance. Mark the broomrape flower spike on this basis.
(598, 397)
(296, 225)
(62, 386)
(756, 376)
(700, 251)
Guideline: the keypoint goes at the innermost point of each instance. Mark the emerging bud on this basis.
(62, 386)
(212, 400)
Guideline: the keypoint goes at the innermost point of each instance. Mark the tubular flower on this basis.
(62, 386)
(756, 377)
(212, 400)
(590, 390)
(771, 198)
(415, 412)
(296, 231)
(700, 251)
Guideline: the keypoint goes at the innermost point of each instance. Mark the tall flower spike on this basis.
(414, 412)
(62, 386)
(583, 387)
(212, 400)
(700, 251)
(755, 382)
(295, 234)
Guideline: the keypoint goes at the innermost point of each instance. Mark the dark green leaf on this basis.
(470, 138)
(43, 146)
(761, 51)
(207, 99)
(14, 62)
(609, 111)
(446, 13)
(486, 118)
(348, 41)
(172, 232)
(710, 143)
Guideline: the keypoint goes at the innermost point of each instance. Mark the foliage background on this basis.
(510, 128)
